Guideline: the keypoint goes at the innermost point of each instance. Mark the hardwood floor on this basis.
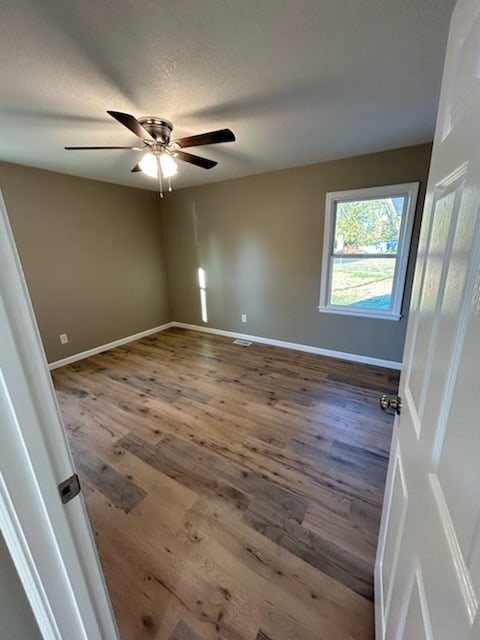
(235, 492)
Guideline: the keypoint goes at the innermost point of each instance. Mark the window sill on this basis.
(365, 313)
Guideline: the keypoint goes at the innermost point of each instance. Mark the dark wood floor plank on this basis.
(325, 555)
(258, 488)
(366, 431)
(123, 493)
(209, 474)
(382, 381)
(345, 461)
(372, 465)
(343, 531)
(152, 383)
(199, 477)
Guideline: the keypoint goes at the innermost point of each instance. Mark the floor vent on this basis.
(242, 343)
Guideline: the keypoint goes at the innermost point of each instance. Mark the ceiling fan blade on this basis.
(133, 124)
(205, 163)
(212, 137)
(136, 168)
(92, 148)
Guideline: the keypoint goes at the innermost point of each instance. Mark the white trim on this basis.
(110, 345)
(366, 313)
(464, 578)
(399, 472)
(416, 578)
(352, 357)
(410, 192)
(25, 565)
(379, 587)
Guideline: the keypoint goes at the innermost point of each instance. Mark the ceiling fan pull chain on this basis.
(159, 172)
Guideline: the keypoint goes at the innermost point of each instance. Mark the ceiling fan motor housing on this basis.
(159, 129)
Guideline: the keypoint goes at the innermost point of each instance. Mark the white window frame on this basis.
(410, 192)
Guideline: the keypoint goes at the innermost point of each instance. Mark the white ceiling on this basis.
(298, 81)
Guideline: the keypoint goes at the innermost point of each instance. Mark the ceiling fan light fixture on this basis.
(148, 164)
(160, 160)
(168, 165)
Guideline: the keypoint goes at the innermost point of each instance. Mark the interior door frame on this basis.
(51, 544)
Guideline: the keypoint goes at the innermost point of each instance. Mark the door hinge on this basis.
(69, 488)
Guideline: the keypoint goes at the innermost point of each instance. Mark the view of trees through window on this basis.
(365, 250)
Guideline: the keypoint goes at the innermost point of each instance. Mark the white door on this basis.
(50, 543)
(427, 575)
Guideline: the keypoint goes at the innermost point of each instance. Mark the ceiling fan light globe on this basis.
(168, 165)
(148, 164)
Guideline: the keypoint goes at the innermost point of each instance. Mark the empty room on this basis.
(239, 293)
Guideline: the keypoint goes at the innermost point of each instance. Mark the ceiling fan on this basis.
(160, 152)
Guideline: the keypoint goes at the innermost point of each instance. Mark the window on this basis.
(365, 252)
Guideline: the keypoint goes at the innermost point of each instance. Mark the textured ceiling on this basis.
(298, 81)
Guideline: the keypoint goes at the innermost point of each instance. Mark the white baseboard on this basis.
(109, 345)
(352, 357)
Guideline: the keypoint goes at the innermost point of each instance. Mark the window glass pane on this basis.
(362, 282)
(368, 226)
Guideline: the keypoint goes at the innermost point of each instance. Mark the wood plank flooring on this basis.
(235, 492)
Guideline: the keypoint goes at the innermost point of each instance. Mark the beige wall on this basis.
(260, 241)
(92, 254)
(95, 254)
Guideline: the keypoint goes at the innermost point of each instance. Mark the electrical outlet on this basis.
(244, 317)
(63, 338)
